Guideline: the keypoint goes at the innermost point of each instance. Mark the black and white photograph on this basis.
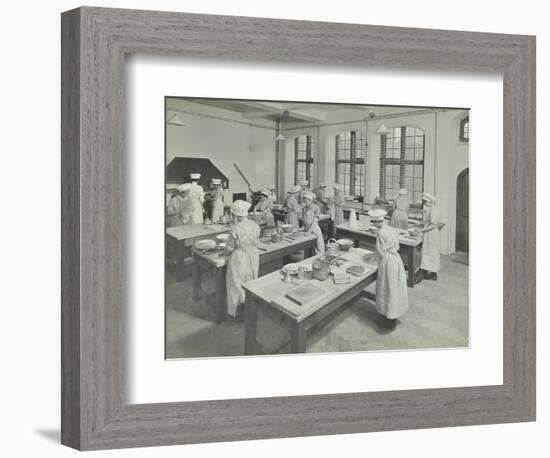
(309, 227)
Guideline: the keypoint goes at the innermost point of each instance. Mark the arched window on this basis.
(464, 131)
(350, 162)
(303, 158)
(402, 162)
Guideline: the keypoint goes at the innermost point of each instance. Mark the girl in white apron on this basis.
(310, 218)
(264, 206)
(217, 200)
(180, 208)
(244, 261)
(293, 208)
(391, 281)
(430, 244)
(400, 217)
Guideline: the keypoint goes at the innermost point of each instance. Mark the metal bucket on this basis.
(320, 269)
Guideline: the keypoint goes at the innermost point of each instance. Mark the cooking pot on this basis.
(320, 269)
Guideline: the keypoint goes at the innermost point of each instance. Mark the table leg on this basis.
(197, 280)
(250, 326)
(221, 296)
(411, 268)
(298, 337)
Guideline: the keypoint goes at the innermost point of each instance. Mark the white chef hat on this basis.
(307, 195)
(377, 214)
(428, 197)
(402, 192)
(338, 186)
(294, 189)
(195, 176)
(184, 187)
(304, 182)
(264, 193)
(240, 208)
(216, 181)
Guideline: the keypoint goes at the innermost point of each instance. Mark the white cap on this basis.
(216, 181)
(264, 193)
(195, 176)
(294, 189)
(428, 197)
(402, 192)
(322, 185)
(184, 187)
(338, 186)
(377, 214)
(304, 182)
(307, 195)
(272, 186)
(240, 208)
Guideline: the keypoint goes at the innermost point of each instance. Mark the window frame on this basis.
(354, 160)
(462, 129)
(308, 160)
(402, 162)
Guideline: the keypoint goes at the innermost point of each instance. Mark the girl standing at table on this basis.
(264, 206)
(293, 208)
(338, 205)
(391, 282)
(180, 208)
(217, 200)
(310, 218)
(400, 217)
(430, 244)
(244, 259)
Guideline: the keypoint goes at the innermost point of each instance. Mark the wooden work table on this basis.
(410, 248)
(271, 258)
(266, 295)
(180, 239)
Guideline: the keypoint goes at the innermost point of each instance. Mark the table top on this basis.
(218, 259)
(404, 237)
(271, 288)
(190, 231)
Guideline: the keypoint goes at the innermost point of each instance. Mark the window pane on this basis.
(419, 154)
(419, 141)
(409, 154)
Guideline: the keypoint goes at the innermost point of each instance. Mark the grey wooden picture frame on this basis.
(95, 410)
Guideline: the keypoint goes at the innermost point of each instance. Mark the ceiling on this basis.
(298, 112)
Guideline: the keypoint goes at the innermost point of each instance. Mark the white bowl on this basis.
(222, 237)
(291, 268)
(205, 244)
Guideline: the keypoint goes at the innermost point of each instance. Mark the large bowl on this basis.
(222, 237)
(205, 244)
(344, 244)
(287, 228)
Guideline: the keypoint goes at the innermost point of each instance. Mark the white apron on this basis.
(217, 205)
(310, 218)
(243, 263)
(180, 211)
(294, 210)
(430, 244)
(391, 282)
(197, 197)
(400, 217)
(338, 217)
(265, 207)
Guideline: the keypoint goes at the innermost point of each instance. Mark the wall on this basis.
(444, 158)
(224, 141)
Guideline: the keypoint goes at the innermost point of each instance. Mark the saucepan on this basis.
(320, 269)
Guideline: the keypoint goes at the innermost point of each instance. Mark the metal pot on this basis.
(320, 269)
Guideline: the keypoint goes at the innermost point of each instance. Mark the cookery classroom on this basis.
(300, 227)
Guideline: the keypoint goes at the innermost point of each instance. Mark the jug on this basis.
(332, 247)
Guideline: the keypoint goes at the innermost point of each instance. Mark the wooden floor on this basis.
(438, 318)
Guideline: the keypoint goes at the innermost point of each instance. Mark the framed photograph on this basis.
(324, 221)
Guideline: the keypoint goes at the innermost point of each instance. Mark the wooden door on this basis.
(462, 211)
